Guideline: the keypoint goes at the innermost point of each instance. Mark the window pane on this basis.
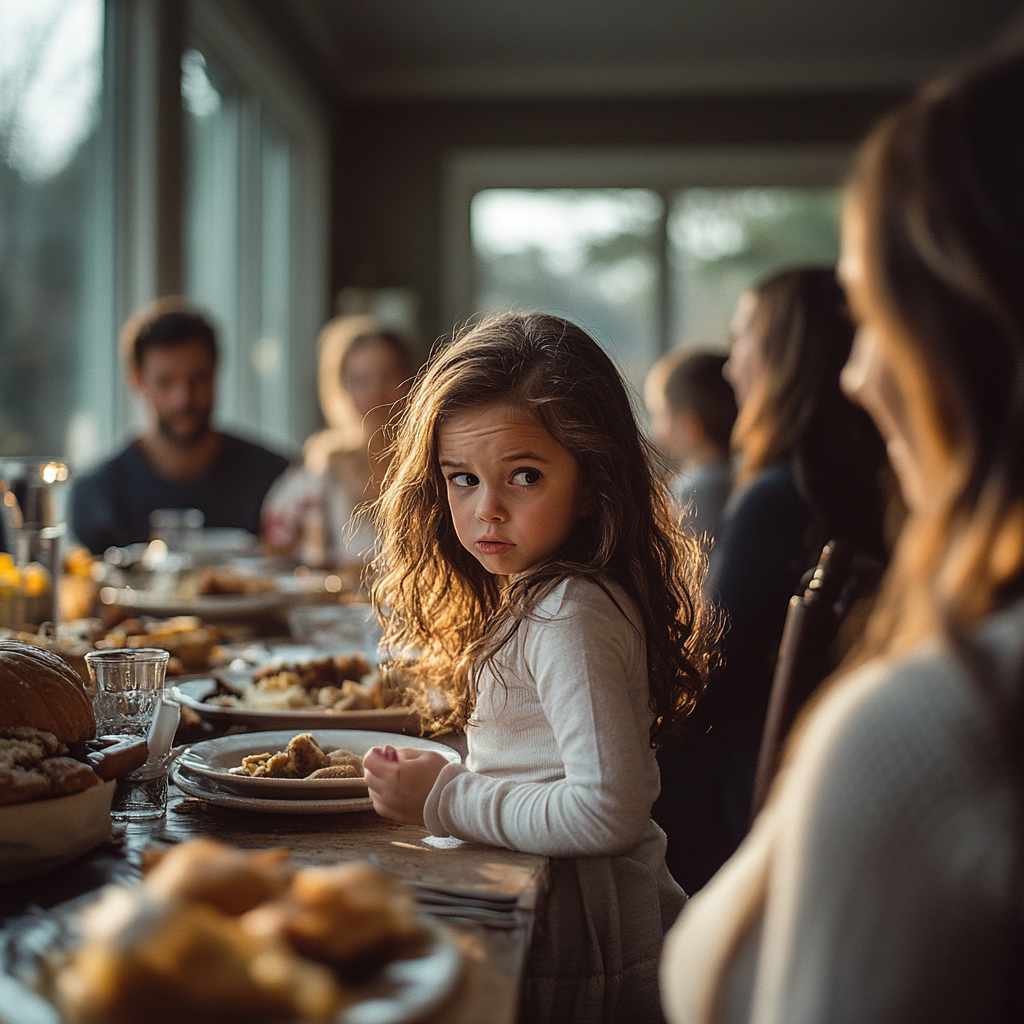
(51, 78)
(590, 255)
(723, 240)
(238, 243)
(212, 201)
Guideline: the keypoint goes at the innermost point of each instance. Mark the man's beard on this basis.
(183, 439)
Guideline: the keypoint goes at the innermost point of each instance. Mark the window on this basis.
(53, 261)
(255, 230)
(647, 250)
(590, 255)
(723, 240)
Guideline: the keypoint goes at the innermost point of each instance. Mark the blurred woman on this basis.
(883, 880)
(808, 471)
(316, 510)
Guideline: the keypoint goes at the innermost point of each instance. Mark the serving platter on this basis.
(192, 694)
(211, 761)
(402, 991)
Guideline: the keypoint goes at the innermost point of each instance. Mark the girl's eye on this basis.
(523, 477)
(463, 480)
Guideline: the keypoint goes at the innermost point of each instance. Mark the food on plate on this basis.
(180, 947)
(338, 683)
(34, 764)
(303, 758)
(189, 642)
(348, 915)
(47, 727)
(220, 581)
(149, 959)
(231, 880)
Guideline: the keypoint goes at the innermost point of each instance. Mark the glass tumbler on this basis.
(129, 690)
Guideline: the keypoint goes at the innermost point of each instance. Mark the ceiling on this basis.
(419, 49)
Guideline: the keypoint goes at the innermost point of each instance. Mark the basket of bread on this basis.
(56, 777)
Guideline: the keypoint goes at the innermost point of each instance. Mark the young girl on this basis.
(529, 558)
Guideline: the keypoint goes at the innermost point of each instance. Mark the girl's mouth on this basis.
(493, 547)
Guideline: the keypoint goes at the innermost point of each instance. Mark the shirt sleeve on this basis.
(583, 657)
(93, 520)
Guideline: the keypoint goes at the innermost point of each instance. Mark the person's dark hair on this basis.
(165, 324)
(694, 383)
(798, 412)
(939, 192)
(444, 605)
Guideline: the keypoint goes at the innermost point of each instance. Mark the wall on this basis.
(389, 162)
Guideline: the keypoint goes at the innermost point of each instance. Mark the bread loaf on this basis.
(40, 689)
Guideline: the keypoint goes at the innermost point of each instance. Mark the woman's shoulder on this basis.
(924, 726)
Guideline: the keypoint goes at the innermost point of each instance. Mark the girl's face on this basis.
(375, 377)
(745, 364)
(513, 490)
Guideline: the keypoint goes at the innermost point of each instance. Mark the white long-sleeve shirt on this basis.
(560, 761)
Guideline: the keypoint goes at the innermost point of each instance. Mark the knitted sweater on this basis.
(881, 883)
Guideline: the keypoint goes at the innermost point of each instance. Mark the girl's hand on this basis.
(400, 781)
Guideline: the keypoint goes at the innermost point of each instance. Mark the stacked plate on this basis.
(204, 772)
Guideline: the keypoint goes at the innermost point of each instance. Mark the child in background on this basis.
(529, 558)
(693, 410)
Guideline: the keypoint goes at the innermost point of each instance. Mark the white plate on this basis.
(200, 788)
(210, 761)
(401, 992)
(43, 834)
(192, 693)
(209, 607)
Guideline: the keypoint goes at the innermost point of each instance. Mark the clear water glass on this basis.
(129, 689)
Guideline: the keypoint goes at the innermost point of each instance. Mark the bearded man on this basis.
(180, 462)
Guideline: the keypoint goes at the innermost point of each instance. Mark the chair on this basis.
(808, 650)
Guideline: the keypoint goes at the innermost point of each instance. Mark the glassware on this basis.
(129, 695)
(33, 510)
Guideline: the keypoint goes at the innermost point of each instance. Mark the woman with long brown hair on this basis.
(883, 880)
(809, 470)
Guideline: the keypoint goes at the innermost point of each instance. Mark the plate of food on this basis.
(213, 933)
(340, 690)
(321, 764)
(219, 594)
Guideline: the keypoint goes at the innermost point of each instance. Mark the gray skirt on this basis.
(595, 952)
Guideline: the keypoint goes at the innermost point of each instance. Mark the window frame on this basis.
(664, 170)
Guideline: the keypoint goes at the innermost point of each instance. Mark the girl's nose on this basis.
(489, 509)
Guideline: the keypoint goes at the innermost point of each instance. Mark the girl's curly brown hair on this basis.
(444, 613)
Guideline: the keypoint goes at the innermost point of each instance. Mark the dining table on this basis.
(483, 901)
(486, 900)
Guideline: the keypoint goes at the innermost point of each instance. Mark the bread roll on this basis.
(40, 689)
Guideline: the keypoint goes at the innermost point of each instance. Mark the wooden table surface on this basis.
(488, 991)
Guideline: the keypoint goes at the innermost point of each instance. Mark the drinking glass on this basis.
(129, 692)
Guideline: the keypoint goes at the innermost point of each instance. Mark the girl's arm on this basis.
(589, 665)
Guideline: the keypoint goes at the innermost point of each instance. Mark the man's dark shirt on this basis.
(111, 504)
